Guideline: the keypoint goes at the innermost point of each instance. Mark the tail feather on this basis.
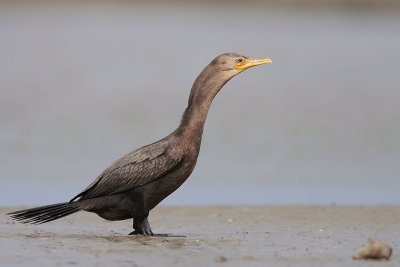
(55, 214)
(45, 214)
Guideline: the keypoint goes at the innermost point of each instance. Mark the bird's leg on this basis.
(141, 227)
(140, 212)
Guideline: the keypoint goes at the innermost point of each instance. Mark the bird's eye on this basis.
(239, 60)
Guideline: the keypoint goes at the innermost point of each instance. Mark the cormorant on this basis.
(137, 182)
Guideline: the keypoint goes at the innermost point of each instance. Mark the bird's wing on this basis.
(134, 169)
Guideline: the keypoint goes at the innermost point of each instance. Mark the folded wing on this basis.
(135, 169)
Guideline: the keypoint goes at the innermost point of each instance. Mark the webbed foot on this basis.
(146, 233)
(142, 228)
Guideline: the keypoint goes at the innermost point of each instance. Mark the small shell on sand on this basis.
(375, 251)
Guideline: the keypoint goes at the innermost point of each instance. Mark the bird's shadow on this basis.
(167, 235)
(112, 238)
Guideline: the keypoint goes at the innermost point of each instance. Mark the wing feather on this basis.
(135, 169)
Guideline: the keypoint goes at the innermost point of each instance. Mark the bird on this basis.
(138, 181)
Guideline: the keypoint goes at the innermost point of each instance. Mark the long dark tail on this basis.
(45, 214)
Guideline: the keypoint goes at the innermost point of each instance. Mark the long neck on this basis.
(204, 89)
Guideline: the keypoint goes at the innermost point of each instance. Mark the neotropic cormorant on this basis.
(137, 182)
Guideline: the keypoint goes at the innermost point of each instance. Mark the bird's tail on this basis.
(45, 214)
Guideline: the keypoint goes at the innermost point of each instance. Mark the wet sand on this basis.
(207, 236)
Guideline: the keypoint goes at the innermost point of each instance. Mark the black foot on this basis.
(142, 228)
(135, 233)
(142, 233)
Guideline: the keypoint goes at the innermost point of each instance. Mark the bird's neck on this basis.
(204, 89)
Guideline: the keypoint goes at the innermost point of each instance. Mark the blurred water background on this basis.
(83, 83)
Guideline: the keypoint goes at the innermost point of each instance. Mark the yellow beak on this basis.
(248, 63)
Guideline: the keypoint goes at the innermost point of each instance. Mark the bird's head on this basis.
(220, 70)
(231, 64)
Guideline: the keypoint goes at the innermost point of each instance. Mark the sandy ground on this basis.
(207, 236)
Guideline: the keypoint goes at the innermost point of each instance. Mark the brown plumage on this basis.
(137, 182)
